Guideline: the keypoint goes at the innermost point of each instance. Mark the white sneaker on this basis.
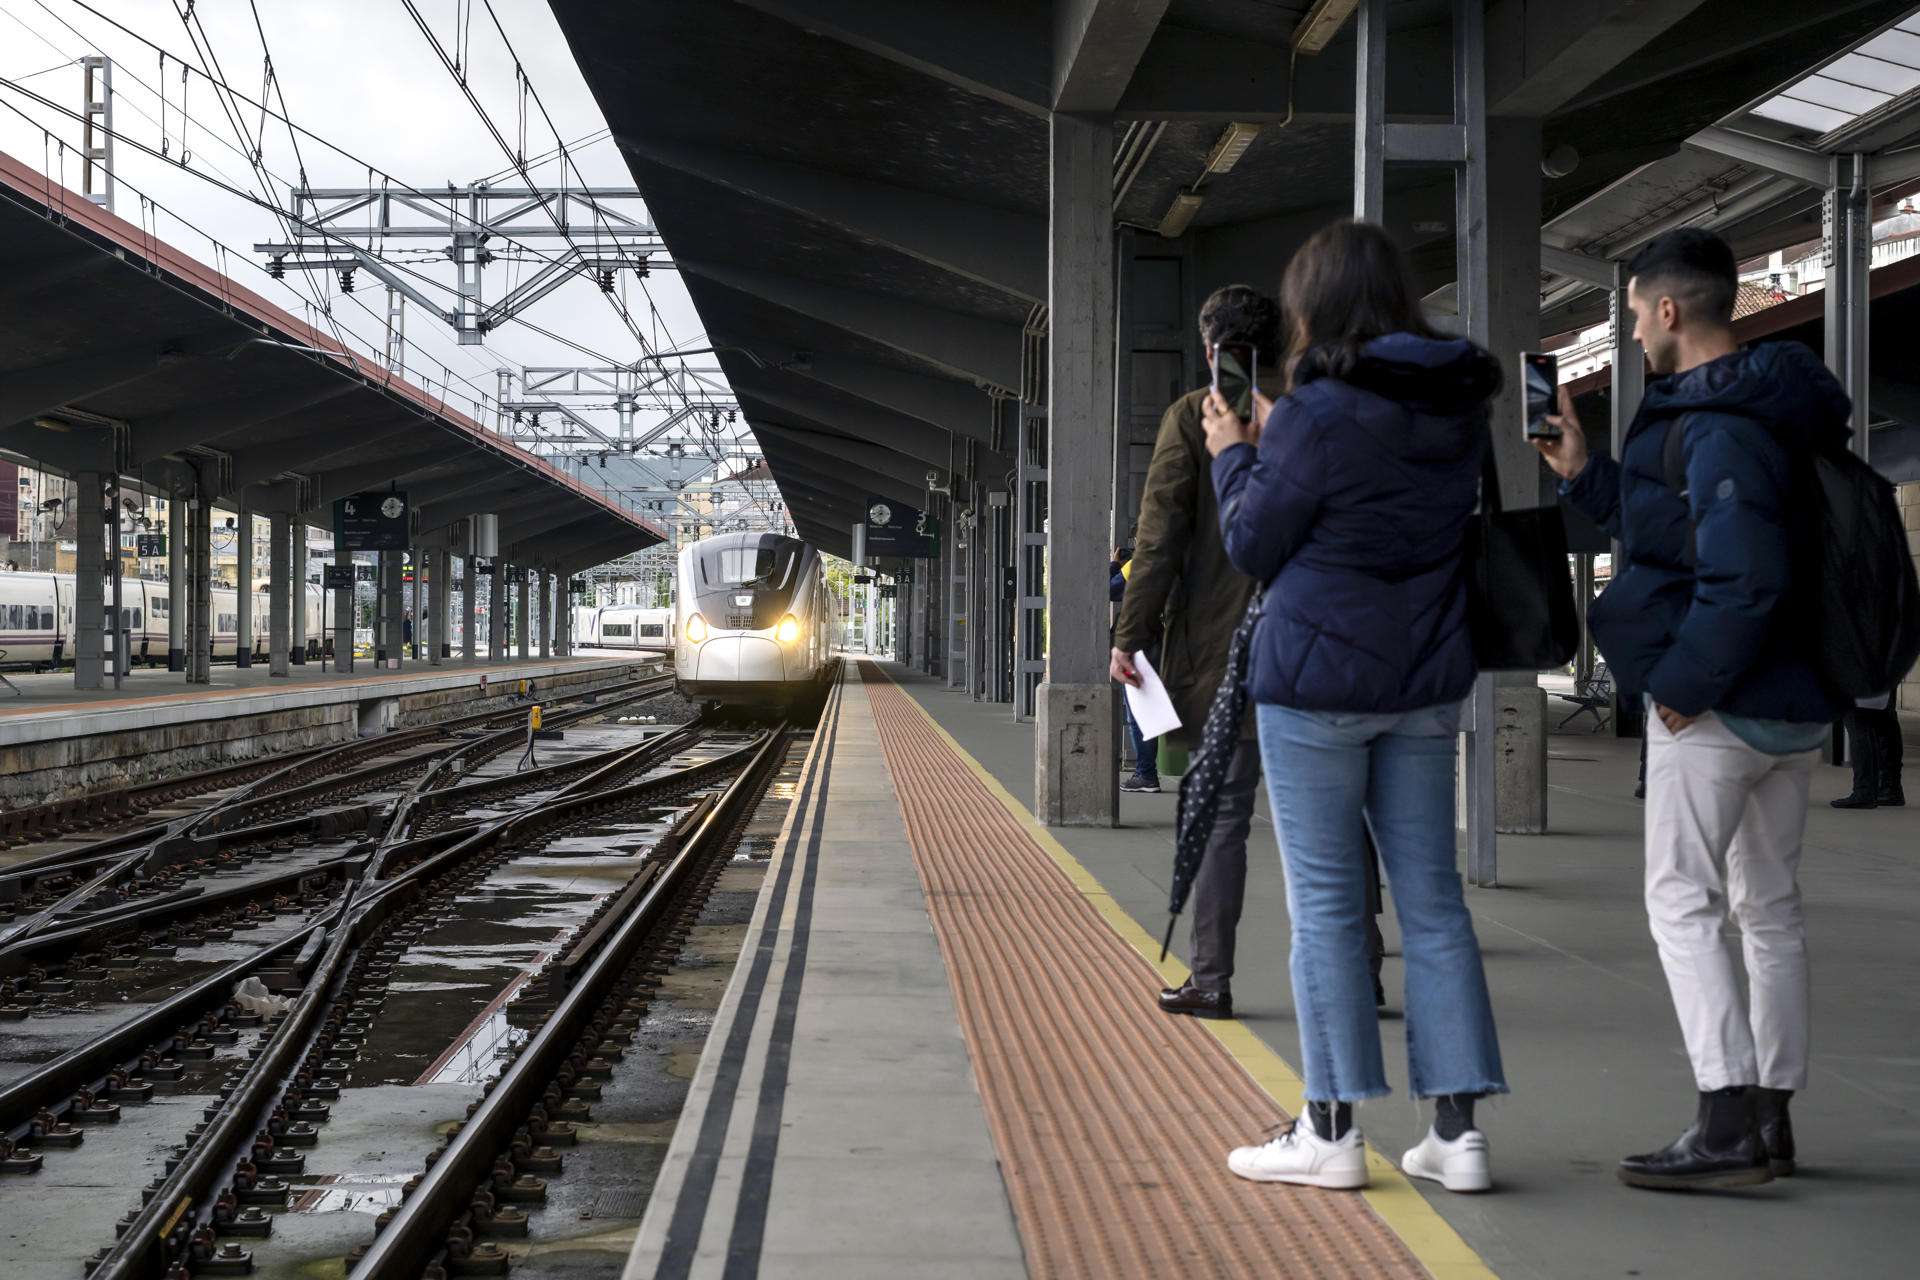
(1460, 1165)
(1302, 1156)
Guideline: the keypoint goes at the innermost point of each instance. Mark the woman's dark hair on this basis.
(1348, 285)
(1241, 313)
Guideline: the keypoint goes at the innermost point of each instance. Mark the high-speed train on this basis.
(753, 619)
(625, 626)
(37, 629)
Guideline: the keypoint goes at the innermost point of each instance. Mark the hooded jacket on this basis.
(1352, 512)
(1712, 629)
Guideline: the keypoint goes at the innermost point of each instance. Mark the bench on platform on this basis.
(1592, 695)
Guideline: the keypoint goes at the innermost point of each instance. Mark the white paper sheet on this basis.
(1152, 708)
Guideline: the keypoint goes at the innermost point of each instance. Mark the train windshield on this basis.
(748, 584)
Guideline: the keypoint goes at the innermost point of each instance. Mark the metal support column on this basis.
(279, 596)
(563, 616)
(297, 625)
(418, 559)
(176, 582)
(89, 586)
(394, 567)
(497, 613)
(243, 586)
(522, 614)
(119, 617)
(1030, 561)
(1846, 249)
(546, 613)
(343, 609)
(469, 607)
(200, 586)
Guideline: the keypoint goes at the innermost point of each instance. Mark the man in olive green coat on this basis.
(1182, 590)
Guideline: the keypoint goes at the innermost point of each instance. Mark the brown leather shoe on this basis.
(1196, 1001)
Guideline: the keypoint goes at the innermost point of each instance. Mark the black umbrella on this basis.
(1200, 788)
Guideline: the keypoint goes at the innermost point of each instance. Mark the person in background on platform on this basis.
(1146, 763)
(1699, 623)
(1873, 736)
(1183, 590)
(1351, 503)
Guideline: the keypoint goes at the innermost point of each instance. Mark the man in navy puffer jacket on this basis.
(1706, 621)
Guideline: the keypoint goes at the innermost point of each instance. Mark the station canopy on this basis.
(122, 354)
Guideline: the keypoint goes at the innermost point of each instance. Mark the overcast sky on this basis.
(360, 74)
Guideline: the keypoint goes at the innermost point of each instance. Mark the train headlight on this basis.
(696, 629)
(788, 630)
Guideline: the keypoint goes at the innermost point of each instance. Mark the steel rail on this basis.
(167, 1216)
(417, 1233)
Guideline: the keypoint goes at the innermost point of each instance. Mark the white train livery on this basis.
(37, 625)
(625, 626)
(752, 619)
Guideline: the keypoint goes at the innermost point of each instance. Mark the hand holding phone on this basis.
(1540, 384)
(1235, 367)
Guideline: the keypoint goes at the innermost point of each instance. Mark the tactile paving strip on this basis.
(1112, 1120)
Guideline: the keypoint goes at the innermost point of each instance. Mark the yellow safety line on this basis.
(1406, 1212)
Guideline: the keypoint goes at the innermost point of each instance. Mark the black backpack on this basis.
(1854, 580)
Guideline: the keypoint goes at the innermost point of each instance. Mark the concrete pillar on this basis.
(469, 594)
(563, 616)
(297, 623)
(200, 588)
(176, 582)
(243, 584)
(393, 602)
(546, 613)
(89, 593)
(343, 610)
(419, 616)
(1076, 774)
(522, 614)
(279, 597)
(497, 613)
(1513, 324)
(436, 618)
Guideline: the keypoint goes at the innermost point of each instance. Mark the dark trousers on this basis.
(1220, 890)
(1874, 739)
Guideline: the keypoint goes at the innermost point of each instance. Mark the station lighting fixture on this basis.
(1322, 23)
(1231, 145)
(1180, 214)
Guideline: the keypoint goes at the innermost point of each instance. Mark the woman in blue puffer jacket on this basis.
(1351, 505)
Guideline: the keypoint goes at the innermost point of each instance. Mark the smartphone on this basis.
(1235, 365)
(1540, 379)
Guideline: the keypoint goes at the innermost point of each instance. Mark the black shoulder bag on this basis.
(1519, 588)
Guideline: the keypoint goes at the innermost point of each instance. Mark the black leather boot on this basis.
(1196, 1001)
(1722, 1149)
(1776, 1128)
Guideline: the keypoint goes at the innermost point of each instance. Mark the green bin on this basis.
(1173, 757)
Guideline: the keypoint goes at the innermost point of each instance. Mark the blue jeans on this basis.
(1146, 756)
(1327, 774)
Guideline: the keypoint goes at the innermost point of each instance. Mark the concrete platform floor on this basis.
(1588, 1035)
(53, 690)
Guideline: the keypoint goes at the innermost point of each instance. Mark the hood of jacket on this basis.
(1780, 383)
(1438, 387)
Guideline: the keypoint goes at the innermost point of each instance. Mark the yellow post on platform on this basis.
(533, 718)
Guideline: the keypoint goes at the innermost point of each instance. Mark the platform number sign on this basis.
(338, 577)
(149, 544)
(895, 529)
(371, 522)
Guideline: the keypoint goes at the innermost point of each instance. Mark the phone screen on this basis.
(1234, 367)
(1540, 376)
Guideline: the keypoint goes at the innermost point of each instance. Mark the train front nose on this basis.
(739, 658)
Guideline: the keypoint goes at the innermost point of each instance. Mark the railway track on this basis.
(315, 794)
(334, 939)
